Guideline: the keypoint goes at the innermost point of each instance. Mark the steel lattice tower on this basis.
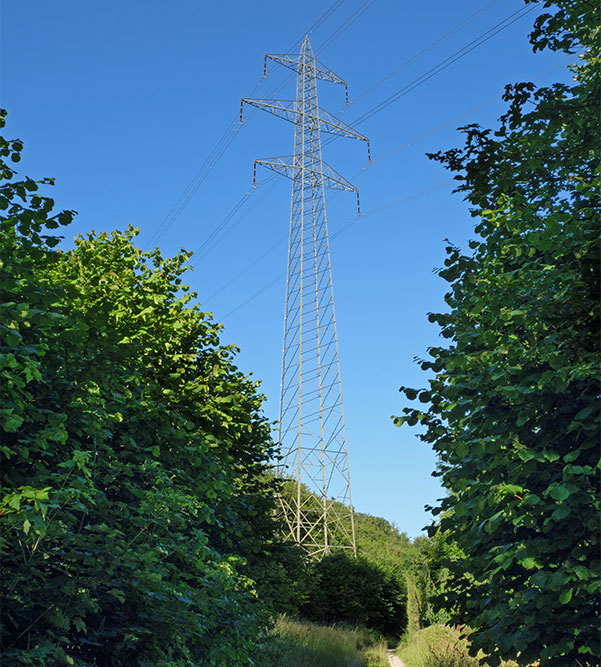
(316, 501)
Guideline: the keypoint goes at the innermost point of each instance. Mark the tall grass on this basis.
(436, 646)
(440, 646)
(294, 643)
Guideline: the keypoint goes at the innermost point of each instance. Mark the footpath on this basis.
(394, 660)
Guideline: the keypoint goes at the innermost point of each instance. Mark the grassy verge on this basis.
(439, 646)
(293, 643)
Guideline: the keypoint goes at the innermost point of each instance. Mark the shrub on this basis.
(136, 515)
(441, 646)
(512, 408)
(356, 591)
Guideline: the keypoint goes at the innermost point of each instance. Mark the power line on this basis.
(354, 220)
(353, 17)
(190, 190)
(206, 247)
(478, 41)
(250, 266)
(398, 202)
(360, 171)
(447, 62)
(423, 52)
(233, 128)
(385, 207)
(488, 34)
(217, 152)
(336, 234)
(452, 121)
(326, 15)
(345, 25)
(224, 222)
(256, 294)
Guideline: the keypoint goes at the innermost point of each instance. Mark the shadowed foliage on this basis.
(136, 512)
(512, 408)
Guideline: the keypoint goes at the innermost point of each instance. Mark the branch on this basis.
(34, 622)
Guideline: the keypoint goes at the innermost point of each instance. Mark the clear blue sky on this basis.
(122, 102)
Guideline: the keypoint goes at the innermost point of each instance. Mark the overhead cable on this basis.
(247, 268)
(231, 131)
(194, 187)
(345, 25)
(326, 15)
(217, 152)
(374, 211)
(336, 234)
(214, 238)
(273, 182)
(199, 177)
(447, 62)
(423, 52)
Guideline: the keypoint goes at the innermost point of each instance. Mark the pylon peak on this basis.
(306, 48)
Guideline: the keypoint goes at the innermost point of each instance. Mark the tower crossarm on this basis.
(286, 166)
(287, 109)
(293, 62)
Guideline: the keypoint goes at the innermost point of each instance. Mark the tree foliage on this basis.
(369, 590)
(419, 564)
(514, 409)
(380, 541)
(356, 591)
(135, 510)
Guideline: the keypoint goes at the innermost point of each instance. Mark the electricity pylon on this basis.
(316, 497)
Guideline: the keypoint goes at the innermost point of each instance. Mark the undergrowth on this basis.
(440, 646)
(295, 643)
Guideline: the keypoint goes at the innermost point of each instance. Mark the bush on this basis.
(356, 591)
(136, 510)
(512, 408)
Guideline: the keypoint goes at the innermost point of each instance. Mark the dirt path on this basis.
(394, 660)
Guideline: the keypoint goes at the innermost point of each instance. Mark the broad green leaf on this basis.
(582, 571)
(566, 596)
(559, 492)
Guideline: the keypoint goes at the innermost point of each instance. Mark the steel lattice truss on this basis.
(316, 501)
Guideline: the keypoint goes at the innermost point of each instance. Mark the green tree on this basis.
(136, 509)
(356, 591)
(514, 410)
(417, 563)
(380, 541)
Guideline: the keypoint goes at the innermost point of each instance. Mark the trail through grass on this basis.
(294, 643)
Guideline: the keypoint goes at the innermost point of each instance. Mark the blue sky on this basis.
(122, 102)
